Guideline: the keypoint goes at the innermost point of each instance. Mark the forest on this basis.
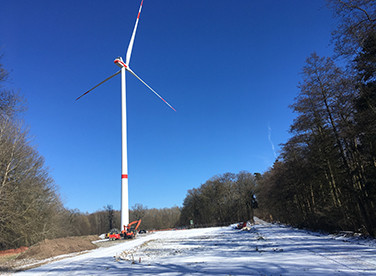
(323, 179)
(222, 200)
(325, 175)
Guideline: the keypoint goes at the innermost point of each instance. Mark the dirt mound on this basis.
(51, 248)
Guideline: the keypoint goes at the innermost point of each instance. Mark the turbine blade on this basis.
(99, 84)
(130, 46)
(133, 73)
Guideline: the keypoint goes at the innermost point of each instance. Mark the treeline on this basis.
(106, 219)
(155, 219)
(223, 199)
(30, 207)
(325, 177)
(78, 223)
(29, 204)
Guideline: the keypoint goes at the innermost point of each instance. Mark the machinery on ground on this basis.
(113, 234)
(129, 231)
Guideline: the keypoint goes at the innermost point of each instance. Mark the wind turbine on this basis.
(124, 156)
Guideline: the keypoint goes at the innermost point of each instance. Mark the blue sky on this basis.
(230, 68)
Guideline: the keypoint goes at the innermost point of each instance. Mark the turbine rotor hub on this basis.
(119, 62)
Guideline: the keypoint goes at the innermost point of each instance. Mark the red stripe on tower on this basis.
(124, 176)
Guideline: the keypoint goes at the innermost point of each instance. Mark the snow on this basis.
(266, 249)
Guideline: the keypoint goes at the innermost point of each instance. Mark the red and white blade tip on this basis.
(139, 11)
(130, 46)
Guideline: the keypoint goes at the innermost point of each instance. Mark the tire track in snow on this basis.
(337, 257)
(352, 262)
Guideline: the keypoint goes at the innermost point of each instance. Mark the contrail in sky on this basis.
(270, 140)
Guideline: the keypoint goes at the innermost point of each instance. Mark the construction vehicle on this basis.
(130, 231)
(114, 234)
(241, 225)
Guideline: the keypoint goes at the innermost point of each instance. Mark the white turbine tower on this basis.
(124, 159)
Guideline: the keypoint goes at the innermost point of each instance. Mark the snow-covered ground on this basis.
(266, 249)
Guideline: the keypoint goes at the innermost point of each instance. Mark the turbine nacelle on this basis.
(119, 62)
